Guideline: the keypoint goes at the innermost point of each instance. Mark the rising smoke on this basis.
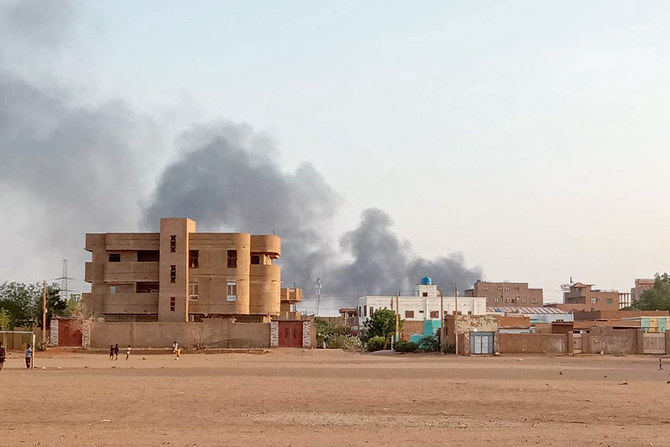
(75, 167)
(228, 178)
(84, 168)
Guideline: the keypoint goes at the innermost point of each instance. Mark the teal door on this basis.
(481, 342)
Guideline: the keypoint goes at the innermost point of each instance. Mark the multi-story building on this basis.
(584, 297)
(507, 294)
(641, 284)
(423, 305)
(181, 275)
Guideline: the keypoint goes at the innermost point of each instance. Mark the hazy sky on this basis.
(530, 136)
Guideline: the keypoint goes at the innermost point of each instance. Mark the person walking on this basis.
(176, 350)
(111, 352)
(127, 352)
(29, 356)
(116, 351)
(2, 356)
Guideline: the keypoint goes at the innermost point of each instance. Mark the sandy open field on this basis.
(334, 398)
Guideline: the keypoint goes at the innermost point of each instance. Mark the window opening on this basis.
(193, 261)
(232, 259)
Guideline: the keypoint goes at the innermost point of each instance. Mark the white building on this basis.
(423, 305)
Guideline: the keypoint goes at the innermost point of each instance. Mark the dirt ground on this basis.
(333, 398)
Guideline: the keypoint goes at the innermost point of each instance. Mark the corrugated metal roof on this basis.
(526, 310)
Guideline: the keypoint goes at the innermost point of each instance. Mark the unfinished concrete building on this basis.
(179, 275)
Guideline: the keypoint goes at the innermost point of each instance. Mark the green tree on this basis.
(656, 298)
(382, 324)
(4, 320)
(23, 303)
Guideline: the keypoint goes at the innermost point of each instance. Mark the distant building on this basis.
(641, 284)
(507, 294)
(350, 316)
(584, 297)
(423, 305)
(536, 314)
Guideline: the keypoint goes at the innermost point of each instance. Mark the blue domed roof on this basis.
(426, 281)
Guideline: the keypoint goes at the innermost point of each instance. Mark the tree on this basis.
(656, 298)
(382, 324)
(23, 303)
(4, 320)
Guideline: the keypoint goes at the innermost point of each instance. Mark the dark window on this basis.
(425, 293)
(173, 273)
(434, 314)
(173, 243)
(115, 257)
(255, 259)
(146, 287)
(372, 311)
(148, 255)
(172, 304)
(409, 314)
(193, 262)
(232, 259)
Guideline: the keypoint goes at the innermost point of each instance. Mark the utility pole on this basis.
(456, 317)
(44, 314)
(318, 295)
(442, 327)
(397, 316)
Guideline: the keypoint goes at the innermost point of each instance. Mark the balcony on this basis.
(129, 272)
(130, 303)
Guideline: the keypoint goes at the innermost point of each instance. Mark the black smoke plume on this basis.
(227, 178)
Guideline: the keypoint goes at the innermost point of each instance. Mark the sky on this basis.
(530, 137)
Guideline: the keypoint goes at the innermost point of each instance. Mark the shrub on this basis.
(326, 330)
(449, 349)
(347, 342)
(405, 346)
(376, 343)
(429, 343)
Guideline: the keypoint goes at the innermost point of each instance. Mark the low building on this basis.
(350, 316)
(537, 315)
(507, 294)
(584, 297)
(423, 305)
(477, 334)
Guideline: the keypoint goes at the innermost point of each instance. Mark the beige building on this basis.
(507, 294)
(179, 275)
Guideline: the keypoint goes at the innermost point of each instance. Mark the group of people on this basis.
(3, 355)
(114, 352)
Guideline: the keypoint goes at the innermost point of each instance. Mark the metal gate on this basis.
(481, 342)
(290, 334)
(653, 343)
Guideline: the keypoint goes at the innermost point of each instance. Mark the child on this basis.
(29, 356)
(111, 352)
(116, 351)
(2, 356)
(127, 352)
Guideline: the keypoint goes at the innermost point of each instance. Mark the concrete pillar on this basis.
(639, 345)
(571, 343)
